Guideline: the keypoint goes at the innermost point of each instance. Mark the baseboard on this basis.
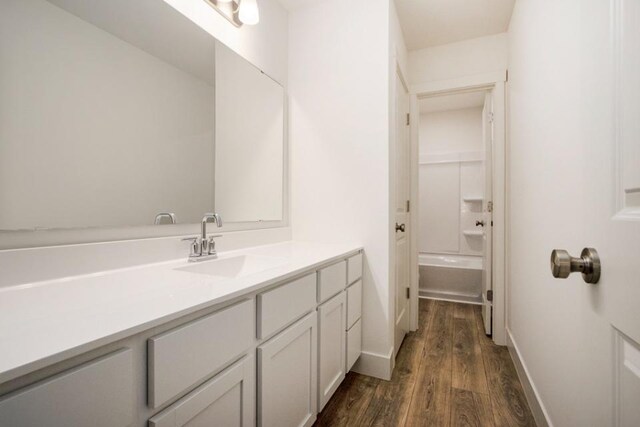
(451, 297)
(535, 403)
(375, 365)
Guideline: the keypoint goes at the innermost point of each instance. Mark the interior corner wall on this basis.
(465, 58)
(263, 44)
(339, 141)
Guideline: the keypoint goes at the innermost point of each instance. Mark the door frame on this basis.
(495, 81)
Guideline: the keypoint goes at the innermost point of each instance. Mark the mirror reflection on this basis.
(115, 112)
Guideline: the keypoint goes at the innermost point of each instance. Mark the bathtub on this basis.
(451, 277)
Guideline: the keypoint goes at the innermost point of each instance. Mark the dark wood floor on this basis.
(448, 373)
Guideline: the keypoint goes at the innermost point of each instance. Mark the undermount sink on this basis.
(234, 267)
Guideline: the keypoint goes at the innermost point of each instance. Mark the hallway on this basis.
(448, 373)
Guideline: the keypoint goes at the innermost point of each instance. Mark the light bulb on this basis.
(249, 12)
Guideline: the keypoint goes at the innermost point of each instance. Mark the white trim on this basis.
(414, 273)
(499, 169)
(461, 300)
(494, 81)
(403, 80)
(538, 409)
(460, 157)
(375, 365)
(477, 81)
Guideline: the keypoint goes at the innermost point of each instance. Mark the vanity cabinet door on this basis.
(332, 341)
(228, 399)
(354, 303)
(354, 344)
(287, 376)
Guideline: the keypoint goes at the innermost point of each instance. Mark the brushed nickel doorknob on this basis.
(563, 264)
(399, 227)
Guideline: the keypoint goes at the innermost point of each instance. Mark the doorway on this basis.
(460, 224)
(455, 183)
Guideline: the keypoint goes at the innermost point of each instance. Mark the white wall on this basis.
(560, 327)
(451, 131)
(339, 138)
(446, 138)
(475, 56)
(264, 44)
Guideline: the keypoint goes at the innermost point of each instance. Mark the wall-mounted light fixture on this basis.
(238, 12)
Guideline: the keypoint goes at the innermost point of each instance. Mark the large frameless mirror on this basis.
(113, 112)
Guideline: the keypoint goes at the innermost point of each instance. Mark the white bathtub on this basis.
(451, 277)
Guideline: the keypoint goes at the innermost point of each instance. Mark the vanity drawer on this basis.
(99, 394)
(354, 268)
(354, 344)
(331, 280)
(183, 356)
(354, 303)
(283, 305)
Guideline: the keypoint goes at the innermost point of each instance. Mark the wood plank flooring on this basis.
(448, 373)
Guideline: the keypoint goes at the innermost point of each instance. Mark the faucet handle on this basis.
(195, 245)
(211, 244)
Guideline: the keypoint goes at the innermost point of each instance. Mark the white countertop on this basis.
(46, 322)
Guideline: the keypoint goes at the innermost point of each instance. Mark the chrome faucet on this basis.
(203, 248)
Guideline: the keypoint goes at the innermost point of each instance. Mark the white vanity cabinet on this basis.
(226, 400)
(270, 357)
(287, 376)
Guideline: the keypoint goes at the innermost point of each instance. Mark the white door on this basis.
(487, 208)
(287, 376)
(574, 184)
(402, 182)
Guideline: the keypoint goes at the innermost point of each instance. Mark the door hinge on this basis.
(408, 293)
(408, 205)
(490, 295)
(489, 206)
(408, 119)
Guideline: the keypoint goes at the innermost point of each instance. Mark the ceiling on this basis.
(451, 102)
(427, 23)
